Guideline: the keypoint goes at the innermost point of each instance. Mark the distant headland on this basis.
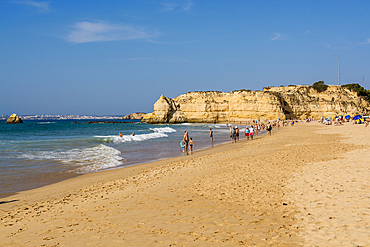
(132, 116)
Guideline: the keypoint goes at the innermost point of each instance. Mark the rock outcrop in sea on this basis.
(298, 102)
(14, 119)
(135, 116)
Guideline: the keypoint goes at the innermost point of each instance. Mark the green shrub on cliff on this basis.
(320, 86)
(361, 91)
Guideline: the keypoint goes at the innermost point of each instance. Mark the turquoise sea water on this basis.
(37, 153)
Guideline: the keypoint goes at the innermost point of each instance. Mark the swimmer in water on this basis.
(120, 134)
(133, 133)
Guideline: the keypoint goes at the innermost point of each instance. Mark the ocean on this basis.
(38, 153)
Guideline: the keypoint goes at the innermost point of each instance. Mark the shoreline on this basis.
(153, 163)
(280, 190)
(132, 152)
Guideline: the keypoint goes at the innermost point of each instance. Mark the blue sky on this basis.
(118, 57)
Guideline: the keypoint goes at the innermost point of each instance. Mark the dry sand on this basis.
(303, 186)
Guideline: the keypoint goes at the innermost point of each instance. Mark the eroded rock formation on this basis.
(14, 119)
(271, 103)
(136, 116)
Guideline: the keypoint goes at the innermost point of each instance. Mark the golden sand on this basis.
(303, 186)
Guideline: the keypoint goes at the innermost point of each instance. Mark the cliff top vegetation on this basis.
(320, 86)
(361, 91)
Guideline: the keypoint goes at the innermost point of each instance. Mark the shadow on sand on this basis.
(3, 202)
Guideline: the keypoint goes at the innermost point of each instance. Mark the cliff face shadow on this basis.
(170, 115)
(287, 109)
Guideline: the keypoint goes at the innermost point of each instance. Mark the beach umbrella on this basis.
(357, 117)
(340, 115)
(347, 117)
(328, 117)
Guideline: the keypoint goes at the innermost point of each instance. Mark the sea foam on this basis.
(45, 122)
(157, 133)
(82, 160)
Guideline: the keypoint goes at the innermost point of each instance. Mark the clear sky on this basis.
(115, 57)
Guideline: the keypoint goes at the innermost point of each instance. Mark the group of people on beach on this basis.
(340, 120)
(234, 133)
(187, 143)
(250, 131)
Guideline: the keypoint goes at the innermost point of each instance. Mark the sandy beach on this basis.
(305, 185)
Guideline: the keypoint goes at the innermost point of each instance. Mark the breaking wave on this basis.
(156, 133)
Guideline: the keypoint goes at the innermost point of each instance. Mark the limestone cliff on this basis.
(271, 103)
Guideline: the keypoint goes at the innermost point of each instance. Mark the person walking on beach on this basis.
(251, 132)
(255, 130)
(210, 135)
(186, 144)
(269, 128)
(191, 145)
(233, 135)
(247, 132)
(236, 133)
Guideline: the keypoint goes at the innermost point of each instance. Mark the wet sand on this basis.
(303, 186)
